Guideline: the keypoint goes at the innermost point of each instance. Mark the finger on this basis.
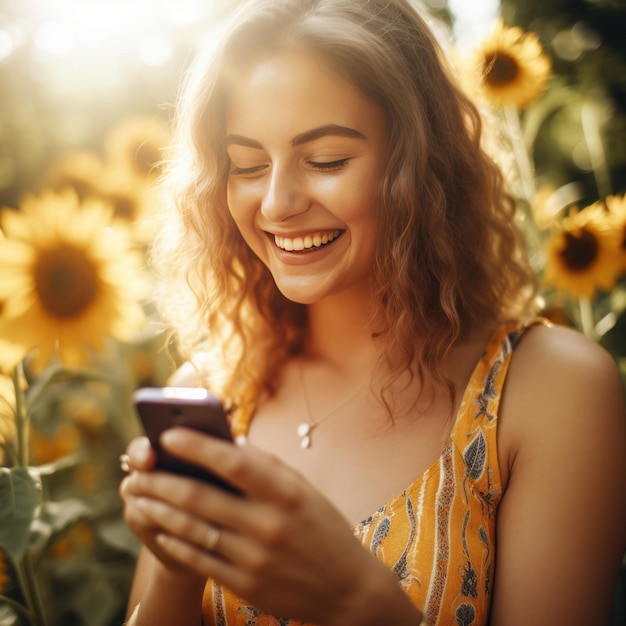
(139, 455)
(207, 536)
(203, 500)
(205, 563)
(260, 475)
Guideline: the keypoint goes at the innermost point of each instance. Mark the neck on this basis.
(341, 332)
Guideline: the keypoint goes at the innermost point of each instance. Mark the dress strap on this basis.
(475, 430)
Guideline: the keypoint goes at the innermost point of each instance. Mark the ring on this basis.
(212, 537)
(125, 462)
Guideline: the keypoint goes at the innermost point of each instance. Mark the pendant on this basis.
(304, 432)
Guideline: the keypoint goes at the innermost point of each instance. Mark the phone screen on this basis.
(160, 408)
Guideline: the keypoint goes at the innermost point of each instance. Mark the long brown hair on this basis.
(450, 256)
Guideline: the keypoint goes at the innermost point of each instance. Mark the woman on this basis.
(365, 312)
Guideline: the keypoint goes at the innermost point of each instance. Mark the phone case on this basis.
(160, 408)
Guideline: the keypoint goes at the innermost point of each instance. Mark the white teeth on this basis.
(306, 242)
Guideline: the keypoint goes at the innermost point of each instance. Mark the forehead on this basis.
(292, 92)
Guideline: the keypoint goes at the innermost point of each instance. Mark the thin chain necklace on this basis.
(305, 430)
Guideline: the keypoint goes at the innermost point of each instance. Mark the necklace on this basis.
(306, 429)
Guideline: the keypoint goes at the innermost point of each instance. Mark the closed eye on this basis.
(242, 171)
(329, 165)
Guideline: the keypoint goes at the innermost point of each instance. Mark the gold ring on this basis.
(125, 462)
(212, 537)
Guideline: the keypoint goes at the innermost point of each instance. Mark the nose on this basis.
(284, 195)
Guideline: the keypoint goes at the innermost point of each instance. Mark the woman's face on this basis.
(307, 153)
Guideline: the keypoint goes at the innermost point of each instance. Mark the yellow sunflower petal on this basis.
(617, 210)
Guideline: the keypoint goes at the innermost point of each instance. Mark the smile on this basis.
(316, 240)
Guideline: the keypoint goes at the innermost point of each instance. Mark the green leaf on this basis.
(57, 374)
(19, 497)
(55, 519)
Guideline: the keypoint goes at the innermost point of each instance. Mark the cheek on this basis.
(240, 203)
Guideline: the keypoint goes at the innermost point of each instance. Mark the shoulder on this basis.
(553, 363)
(560, 385)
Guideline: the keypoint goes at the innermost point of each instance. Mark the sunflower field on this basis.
(84, 128)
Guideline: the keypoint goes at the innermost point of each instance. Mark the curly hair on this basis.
(450, 257)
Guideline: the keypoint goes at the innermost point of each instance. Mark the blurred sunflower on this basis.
(81, 170)
(77, 539)
(46, 448)
(4, 576)
(582, 253)
(511, 66)
(617, 210)
(135, 146)
(67, 279)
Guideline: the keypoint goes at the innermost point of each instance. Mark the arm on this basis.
(562, 519)
(161, 597)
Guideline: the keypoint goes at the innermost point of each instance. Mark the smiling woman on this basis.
(342, 265)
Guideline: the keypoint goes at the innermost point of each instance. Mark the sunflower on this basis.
(583, 254)
(511, 66)
(617, 210)
(67, 279)
(135, 147)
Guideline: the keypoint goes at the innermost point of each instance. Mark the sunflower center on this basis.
(580, 250)
(66, 281)
(500, 69)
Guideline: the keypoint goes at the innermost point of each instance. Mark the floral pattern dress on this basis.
(438, 535)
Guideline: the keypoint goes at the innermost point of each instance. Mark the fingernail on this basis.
(171, 438)
(143, 450)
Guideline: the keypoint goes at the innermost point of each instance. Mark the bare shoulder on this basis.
(552, 346)
(557, 366)
(560, 384)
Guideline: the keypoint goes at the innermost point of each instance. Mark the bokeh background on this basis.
(87, 89)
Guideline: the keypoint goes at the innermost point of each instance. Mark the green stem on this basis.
(21, 418)
(526, 174)
(24, 568)
(593, 139)
(586, 317)
(17, 607)
(520, 150)
(35, 596)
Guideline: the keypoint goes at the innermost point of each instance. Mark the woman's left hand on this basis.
(282, 546)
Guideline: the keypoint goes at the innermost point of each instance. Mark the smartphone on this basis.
(160, 408)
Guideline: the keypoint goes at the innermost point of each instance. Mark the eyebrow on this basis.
(305, 137)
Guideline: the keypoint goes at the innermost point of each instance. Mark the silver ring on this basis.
(212, 538)
(125, 462)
